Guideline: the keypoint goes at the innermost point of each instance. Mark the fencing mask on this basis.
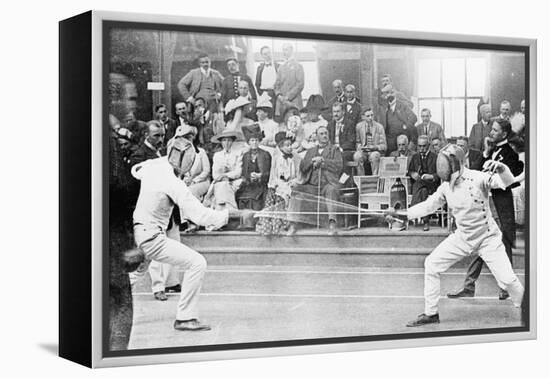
(181, 155)
(450, 163)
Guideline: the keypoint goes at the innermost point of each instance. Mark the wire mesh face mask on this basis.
(181, 155)
(450, 163)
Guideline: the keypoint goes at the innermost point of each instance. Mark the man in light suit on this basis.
(203, 82)
(289, 83)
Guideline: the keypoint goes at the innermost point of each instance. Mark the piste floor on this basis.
(269, 303)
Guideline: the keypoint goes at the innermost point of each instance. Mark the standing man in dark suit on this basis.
(352, 105)
(382, 101)
(169, 125)
(397, 118)
(339, 96)
(422, 169)
(266, 74)
(497, 149)
(230, 84)
(473, 159)
(342, 134)
(481, 130)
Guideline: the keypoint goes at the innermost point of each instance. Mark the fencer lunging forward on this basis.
(161, 189)
(466, 193)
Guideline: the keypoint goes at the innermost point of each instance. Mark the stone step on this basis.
(353, 248)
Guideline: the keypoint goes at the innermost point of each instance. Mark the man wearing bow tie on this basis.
(266, 74)
(497, 149)
(289, 83)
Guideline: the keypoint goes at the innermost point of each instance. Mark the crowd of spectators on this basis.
(259, 147)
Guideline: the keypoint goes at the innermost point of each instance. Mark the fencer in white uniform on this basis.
(466, 193)
(161, 189)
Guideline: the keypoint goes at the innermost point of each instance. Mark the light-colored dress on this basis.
(285, 171)
(199, 174)
(222, 193)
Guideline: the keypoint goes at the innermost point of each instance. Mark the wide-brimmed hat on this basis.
(185, 129)
(316, 103)
(264, 101)
(235, 103)
(253, 131)
(225, 134)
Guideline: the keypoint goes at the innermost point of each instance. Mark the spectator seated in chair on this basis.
(321, 169)
(423, 171)
(371, 143)
(255, 173)
(403, 149)
(226, 173)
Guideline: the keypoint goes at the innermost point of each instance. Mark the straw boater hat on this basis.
(235, 103)
(225, 134)
(264, 101)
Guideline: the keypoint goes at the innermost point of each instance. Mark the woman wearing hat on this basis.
(255, 172)
(198, 177)
(226, 172)
(285, 173)
(315, 106)
(269, 127)
(236, 120)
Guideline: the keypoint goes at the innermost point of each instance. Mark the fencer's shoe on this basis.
(160, 296)
(191, 325)
(332, 229)
(464, 293)
(424, 319)
(503, 295)
(173, 289)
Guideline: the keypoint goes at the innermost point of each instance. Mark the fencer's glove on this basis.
(132, 259)
(396, 219)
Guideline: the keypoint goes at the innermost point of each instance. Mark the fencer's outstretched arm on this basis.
(432, 203)
(193, 209)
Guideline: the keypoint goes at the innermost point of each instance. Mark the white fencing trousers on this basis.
(454, 249)
(164, 275)
(158, 247)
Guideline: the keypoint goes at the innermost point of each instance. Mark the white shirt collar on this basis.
(352, 101)
(150, 145)
(502, 142)
(205, 72)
